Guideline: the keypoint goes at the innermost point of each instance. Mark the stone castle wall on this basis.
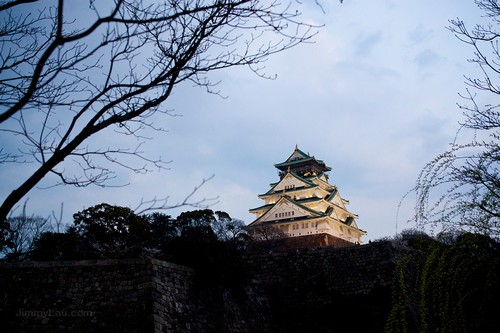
(357, 269)
(130, 295)
(293, 291)
(317, 289)
(88, 295)
(307, 242)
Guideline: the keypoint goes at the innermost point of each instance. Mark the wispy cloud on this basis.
(365, 43)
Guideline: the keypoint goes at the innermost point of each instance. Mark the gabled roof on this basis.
(309, 183)
(263, 207)
(298, 156)
(317, 180)
(294, 203)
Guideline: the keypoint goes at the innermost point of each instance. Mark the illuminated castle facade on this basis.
(304, 203)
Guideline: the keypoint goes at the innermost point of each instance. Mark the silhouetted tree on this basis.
(106, 231)
(200, 218)
(163, 228)
(113, 231)
(228, 229)
(267, 233)
(460, 188)
(205, 243)
(22, 232)
(56, 246)
(71, 76)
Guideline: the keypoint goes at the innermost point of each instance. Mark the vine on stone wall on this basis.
(447, 287)
(405, 308)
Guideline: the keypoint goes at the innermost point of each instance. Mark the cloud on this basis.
(427, 58)
(420, 35)
(365, 43)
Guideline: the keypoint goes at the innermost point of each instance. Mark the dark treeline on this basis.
(210, 241)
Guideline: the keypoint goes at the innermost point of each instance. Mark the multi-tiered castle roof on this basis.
(304, 203)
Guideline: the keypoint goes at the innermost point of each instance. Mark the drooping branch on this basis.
(460, 188)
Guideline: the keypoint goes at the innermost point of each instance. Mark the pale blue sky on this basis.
(374, 97)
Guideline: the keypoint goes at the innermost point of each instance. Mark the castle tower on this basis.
(303, 203)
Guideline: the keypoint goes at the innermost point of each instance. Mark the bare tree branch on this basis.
(66, 79)
(157, 204)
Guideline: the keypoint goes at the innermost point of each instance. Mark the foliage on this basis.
(56, 246)
(229, 229)
(223, 226)
(447, 286)
(5, 241)
(211, 242)
(163, 227)
(267, 233)
(460, 188)
(69, 77)
(20, 232)
(23, 231)
(113, 231)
